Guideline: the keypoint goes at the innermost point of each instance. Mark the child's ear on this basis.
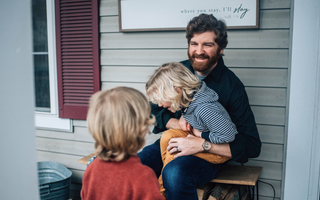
(177, 89)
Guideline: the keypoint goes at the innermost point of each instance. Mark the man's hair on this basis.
(204, 23)
(162, 85)
(118, 120)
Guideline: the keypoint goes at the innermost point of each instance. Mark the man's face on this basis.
(203, 51)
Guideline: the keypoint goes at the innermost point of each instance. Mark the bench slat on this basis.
(86, 159)
(229, 174)
(238, 175)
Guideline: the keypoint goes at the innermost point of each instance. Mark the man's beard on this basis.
(203, 66)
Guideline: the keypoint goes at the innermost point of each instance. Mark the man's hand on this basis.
(186, 146)
(191, 145)
(185, 126)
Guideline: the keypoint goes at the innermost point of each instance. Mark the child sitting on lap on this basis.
(118, 120)
(174, 87)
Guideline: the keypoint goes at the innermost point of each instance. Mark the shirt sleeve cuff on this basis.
(165, 118)
(205, 135)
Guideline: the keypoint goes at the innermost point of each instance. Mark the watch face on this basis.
(206, 146)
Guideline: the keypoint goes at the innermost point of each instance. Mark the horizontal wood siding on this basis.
(258, 57)
(250, 77)
(249, 58)
(258, 39)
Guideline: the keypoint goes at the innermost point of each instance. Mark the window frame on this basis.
(51, 120)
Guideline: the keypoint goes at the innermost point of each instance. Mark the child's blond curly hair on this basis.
(174, 83)
(118, 120)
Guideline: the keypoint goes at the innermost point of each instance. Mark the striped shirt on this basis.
(207, 115)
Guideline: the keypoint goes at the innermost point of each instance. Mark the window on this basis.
(66, 58)
(40, 56)
(45, 67)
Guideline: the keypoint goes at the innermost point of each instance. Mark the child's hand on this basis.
(196, 132)
(185, 126)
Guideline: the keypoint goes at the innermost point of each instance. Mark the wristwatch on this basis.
(206, 146)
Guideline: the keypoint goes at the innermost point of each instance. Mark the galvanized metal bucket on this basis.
(54, 181)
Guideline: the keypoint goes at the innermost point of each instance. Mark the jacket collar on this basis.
(217, 72)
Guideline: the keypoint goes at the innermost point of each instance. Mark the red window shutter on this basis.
(78, 59)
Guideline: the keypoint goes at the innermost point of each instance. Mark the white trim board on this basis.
(302, 158)
(53, 122)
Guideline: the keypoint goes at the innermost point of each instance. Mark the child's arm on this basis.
(221, 128)
(185, 126)
(163, 117)
(196, 132)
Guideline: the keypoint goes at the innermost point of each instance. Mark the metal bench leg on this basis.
(257, 191)
(252, 192)
(239, 191)
(249, 192)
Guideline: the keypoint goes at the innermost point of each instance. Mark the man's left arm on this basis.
(191, 145)
(247, 143)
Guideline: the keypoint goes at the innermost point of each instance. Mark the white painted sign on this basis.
(148, 15)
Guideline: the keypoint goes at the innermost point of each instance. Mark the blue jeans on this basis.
(182, 176)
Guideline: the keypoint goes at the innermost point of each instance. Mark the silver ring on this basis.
(177, 149)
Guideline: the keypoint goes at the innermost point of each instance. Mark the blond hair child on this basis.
(174, 87)
(118, 120)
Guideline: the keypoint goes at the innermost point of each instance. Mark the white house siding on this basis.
(259, 57)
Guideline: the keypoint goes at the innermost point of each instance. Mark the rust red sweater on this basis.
(127, 180)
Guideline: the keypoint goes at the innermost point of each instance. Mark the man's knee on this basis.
(151, 156)
(173, 175)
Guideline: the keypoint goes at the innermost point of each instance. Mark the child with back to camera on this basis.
(174, 87)
(118, 120)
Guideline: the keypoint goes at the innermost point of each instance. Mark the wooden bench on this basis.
(232, 176)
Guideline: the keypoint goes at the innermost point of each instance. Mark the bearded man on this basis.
(207, 39)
